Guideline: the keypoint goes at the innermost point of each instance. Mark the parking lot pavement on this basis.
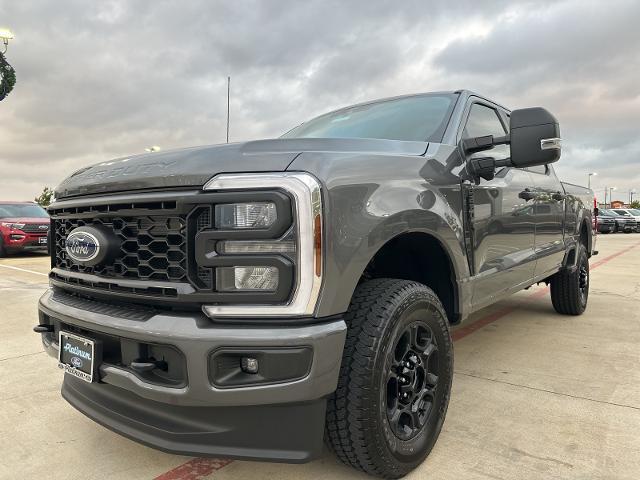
(535, 394)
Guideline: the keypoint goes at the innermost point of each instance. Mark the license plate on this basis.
(77, 356)
(42, 240)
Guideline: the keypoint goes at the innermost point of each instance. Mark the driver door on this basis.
(503, 224)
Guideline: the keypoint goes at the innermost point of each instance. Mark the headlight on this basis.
(245, 215)
(12, 226)
(265, 249)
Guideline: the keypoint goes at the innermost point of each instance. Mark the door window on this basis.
(484, 121)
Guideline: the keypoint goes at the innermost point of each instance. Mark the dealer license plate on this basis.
(42, 240)
(77, 356)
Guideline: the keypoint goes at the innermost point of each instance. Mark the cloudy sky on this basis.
(98, 80)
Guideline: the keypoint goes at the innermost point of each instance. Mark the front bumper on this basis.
(19, 241)
(280, 421)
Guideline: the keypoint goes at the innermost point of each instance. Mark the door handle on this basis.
(558, 196)
(526, 194)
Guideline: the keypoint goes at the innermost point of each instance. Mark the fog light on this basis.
(247, 278)
(245, 215)
(249, 365)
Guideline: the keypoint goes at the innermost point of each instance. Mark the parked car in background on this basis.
(604, 222)
(629, 212)
(624, 223)
(23, 226)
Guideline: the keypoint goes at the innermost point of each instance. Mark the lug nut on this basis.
(403, 380)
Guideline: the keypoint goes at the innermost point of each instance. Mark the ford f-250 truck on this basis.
(248, 300)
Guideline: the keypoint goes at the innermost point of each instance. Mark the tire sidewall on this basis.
(412, 452)
(583, 259)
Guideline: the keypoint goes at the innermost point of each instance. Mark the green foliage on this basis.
(8, 77)
(635, 204)
(45, 197)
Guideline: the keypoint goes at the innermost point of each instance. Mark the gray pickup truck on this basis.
(250, 300)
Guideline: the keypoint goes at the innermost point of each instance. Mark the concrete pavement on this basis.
(535, 394)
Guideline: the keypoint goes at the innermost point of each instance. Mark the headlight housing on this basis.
(12, 226)
(266, 247)
(256, 215)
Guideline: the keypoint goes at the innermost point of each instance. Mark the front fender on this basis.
(371, 199)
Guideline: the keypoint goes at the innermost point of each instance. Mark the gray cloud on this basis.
(104, 79)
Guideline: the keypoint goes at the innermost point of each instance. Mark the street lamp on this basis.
(5, 36)
(589, 179)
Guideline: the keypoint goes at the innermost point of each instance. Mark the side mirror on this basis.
(534, 137)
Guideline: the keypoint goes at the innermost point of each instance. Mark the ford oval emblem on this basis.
(76, 362)
(82, 246)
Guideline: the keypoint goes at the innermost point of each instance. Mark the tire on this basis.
(398, 333)
(3, 251)
(570, 288)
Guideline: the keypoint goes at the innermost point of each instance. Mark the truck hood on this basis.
(193, 167)
(29, 220)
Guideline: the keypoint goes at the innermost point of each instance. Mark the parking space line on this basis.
(24, 270)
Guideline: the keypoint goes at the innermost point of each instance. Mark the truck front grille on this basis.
(152, 247)
(42, 228)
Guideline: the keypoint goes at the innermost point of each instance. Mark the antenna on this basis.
(228, 98)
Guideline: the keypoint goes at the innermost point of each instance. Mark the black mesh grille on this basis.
(152, 247)
(36, 228)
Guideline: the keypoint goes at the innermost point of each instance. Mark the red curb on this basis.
(195, 469)
(198, 468)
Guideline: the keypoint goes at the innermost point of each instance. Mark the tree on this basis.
(635, 204)
(45, 197)
(7, 77)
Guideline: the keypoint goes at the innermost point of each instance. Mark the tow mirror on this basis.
(534, 137)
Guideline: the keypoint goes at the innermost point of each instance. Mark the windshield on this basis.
(420, 118)
(622, 212)
(635, 212)
(22, 210)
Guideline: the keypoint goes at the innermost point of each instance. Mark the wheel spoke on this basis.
(430, 350)
(411, 380)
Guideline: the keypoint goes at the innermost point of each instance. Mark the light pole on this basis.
(611, 189)
(589, 179)
(631, 192)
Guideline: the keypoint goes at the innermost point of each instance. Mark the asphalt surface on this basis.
(535, 394)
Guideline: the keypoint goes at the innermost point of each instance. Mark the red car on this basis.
(23, 226)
